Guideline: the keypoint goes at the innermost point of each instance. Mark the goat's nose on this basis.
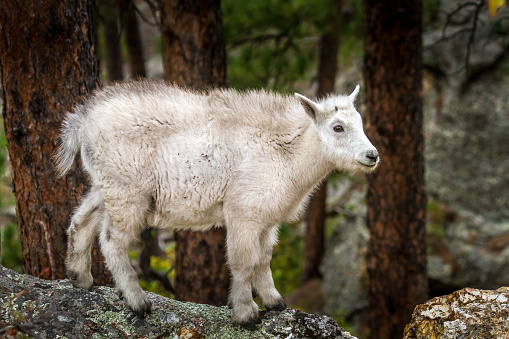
(372, 155)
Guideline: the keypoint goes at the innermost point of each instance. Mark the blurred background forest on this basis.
(277, 45)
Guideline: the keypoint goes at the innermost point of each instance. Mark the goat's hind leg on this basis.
(114, 245)
(80, 237)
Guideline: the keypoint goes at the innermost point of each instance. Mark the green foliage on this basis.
(272, 44)
(3, 148)
(350, 33)
(11, 254)
(436, 215)
(287, 259)
(161, 264)
(275, 43)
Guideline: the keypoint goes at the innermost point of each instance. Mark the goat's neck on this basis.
(311, 165)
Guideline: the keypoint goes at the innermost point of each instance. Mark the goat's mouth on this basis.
(368, 166)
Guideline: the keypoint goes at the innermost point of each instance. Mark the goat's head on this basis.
(339, 127)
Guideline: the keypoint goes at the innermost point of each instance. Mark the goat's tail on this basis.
(70, 142)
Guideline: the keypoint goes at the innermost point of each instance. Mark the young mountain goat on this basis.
(179, 159)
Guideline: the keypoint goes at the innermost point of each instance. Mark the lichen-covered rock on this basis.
(55, 309)
(467, 313)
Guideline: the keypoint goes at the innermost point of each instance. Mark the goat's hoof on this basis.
(251, 325)
(72, 275)
(85, 282)
(139, 303)
(139, 313)
(280, 306)
(143, 312)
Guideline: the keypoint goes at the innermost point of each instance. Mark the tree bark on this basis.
(314, 241)
(193, 45)
(132, 38)
(396, 195)
(194, 55)
(47, 63)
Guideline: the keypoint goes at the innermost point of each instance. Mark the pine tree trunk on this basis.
(396, 195)
(315, 242)
(194, 55)
(47, 62)
(112, 50)
(193, 45)
(132, 38)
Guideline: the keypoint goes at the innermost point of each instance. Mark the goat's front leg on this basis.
(243, 256)
(263, 283)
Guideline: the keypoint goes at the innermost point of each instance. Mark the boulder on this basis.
(467, 313)
(55, 309)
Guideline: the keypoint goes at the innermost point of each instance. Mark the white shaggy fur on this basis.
(179, 159)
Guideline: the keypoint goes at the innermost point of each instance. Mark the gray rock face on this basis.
(469, 251)
(55, 309)
(467, 145)
(467, 152)
(467, 169)
(467, 313)
(348, 294)
(467, 116)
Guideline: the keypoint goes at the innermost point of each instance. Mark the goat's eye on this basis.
(336, 108)
(338, 129)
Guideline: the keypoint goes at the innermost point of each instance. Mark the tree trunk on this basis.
(194, 55)
(314, 247)
(132, 38)
(314, 239)
(47, 62)
(396, 195)
(193, 45)
(111, 40)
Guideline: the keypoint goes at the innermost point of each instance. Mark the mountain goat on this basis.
(179, 159)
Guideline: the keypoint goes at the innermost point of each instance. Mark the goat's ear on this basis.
(353, 96)
(312, 108)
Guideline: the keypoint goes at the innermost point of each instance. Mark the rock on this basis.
(467, 313)
(446, 47)
(470, 250)
(52, 309)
